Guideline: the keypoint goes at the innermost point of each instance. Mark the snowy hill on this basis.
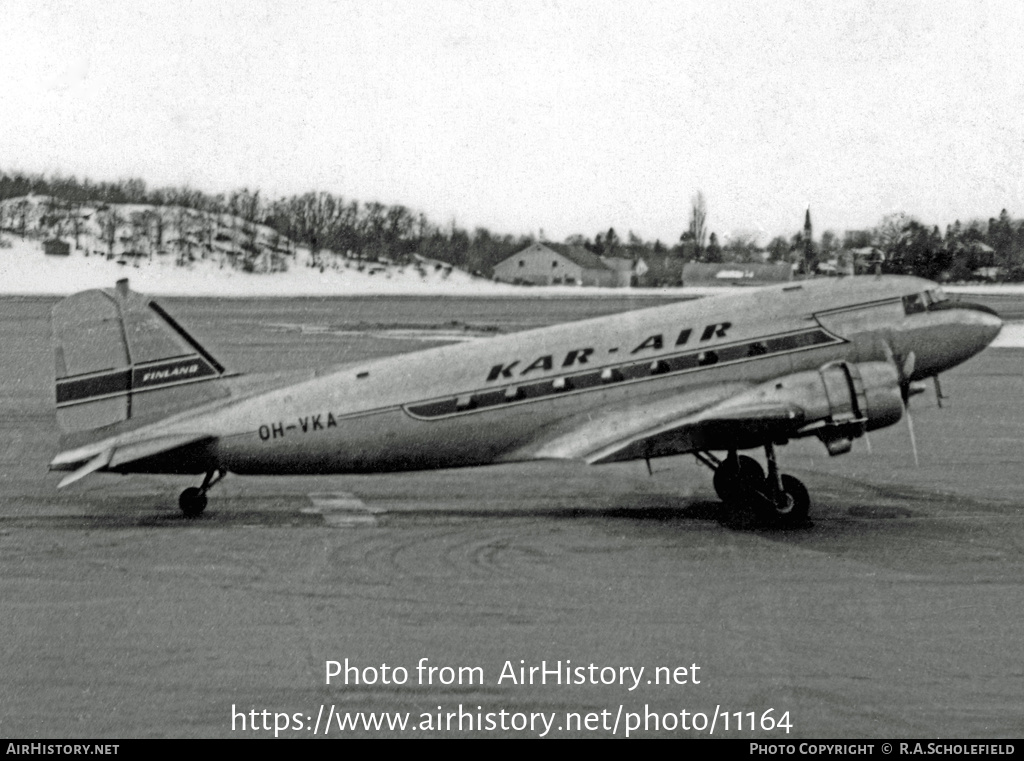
(173, 250)
(25, 269)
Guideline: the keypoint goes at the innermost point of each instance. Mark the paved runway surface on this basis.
(897, 614)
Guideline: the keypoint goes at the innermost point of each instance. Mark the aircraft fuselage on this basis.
(499, 399)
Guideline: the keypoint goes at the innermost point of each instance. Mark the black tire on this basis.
(732, 483)
(192, 502)
(797, 503)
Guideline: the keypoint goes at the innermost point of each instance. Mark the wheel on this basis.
(795, 505)
(731, 483)
(192, 502)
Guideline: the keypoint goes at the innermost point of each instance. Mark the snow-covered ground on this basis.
(1011, 336)
(25, 269)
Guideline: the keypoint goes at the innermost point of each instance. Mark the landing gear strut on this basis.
(786, 498)
(740, 481)
(193, 500)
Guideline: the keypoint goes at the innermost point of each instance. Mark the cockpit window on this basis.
(914, 303)
(937, 295)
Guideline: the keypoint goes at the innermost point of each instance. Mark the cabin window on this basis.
(522, 263)
(706, 358)
(554, 264)
(914, 303)
(610, 375)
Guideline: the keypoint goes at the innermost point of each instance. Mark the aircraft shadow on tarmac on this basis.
(292, 511)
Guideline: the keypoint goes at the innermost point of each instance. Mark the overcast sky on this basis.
(564, 116)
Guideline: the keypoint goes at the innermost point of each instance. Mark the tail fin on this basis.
(120, 357)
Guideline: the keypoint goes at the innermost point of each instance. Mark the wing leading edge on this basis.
(837, 403)
(724, 417)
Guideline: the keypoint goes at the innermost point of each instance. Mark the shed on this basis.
(556, 264)
(56, 247)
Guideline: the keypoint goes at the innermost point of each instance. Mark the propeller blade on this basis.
(913, 438)
(908, 366)
(905, 370)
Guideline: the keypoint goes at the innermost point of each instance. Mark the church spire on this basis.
(808, 241)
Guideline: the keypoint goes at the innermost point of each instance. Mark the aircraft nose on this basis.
(960, 330)
(984, 321)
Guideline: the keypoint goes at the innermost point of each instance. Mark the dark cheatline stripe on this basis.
(113, 382)
(631, 371)
(152, 375)
(155, 374)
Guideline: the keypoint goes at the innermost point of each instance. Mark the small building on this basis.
(736, 273)
(627, 271)
(56, 247)
(560, 264)
(989, 274)
(866, 259)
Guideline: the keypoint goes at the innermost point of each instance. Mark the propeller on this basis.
(905, 370)
(907, 390)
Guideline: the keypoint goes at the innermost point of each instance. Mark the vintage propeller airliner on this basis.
(831, 358)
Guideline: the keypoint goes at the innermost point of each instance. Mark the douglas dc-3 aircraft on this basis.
(827, 358)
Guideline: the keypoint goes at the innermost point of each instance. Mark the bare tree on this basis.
(21, 209)
(139, 222)
(110, 221)
(698, 222)
(76, 219)
(891, 230)
(742, 246)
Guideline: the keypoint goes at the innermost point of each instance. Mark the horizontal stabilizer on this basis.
(111, 455)
(97, 462)
(152, 447)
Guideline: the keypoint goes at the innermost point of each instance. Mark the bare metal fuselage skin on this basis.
(515, 397)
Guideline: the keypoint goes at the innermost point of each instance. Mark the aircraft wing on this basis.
(725, 417)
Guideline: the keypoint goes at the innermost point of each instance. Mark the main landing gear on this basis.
(740, 481)
(193, 500)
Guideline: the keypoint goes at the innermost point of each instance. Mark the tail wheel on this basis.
(192, 502)
(732, 482)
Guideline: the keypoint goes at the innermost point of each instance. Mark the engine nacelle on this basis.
(838, 403)
(883, 397)
(857, 397)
